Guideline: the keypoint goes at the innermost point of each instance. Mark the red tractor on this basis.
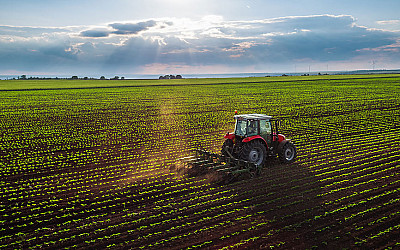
(255, 138)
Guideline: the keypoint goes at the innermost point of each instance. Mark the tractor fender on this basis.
(256, 137)
(281, 144)
(229, 136)
(280, 137)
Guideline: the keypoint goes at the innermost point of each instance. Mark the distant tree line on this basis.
(170, 77)
(24, 77)
(101, 78)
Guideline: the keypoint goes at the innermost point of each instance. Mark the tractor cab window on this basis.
(266, 130)
(252, 128)
(265, 127)
(240, 128)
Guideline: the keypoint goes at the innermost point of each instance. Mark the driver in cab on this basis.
(252, 128)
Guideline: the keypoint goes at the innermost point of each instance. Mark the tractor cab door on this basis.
(266, 131)
(274, 133)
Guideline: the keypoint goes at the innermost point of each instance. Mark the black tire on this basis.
(288, 153)
(227, 143)
(254, 151)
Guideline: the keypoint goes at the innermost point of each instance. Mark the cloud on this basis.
(95, 33)
(211, 42)
(390, 22)
(122, 29)
(35, 55)
(131, 28)
(393, 25)
(24, 30)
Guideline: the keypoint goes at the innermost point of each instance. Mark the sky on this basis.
(102, 37)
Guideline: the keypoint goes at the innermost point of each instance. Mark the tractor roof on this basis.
(253, 117)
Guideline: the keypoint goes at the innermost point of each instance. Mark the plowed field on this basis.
(90, 164)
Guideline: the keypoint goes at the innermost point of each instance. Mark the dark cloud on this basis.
(95, 33)
(121, 29)
(131, 28)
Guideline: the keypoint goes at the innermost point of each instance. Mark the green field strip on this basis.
(93, 84)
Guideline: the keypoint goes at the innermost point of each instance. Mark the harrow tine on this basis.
(240, 171)
(228, 169)
(200, 162)
(222, 166)
(212, 165)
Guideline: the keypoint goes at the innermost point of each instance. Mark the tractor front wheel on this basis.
(254, 151)
(288, 153)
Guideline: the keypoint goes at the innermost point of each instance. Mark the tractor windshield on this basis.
(240, 128)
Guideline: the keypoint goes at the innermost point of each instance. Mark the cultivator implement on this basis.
(204, 162)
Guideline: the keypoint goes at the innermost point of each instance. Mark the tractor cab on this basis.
(250, 125)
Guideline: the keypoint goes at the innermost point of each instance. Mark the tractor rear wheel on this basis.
(288, 153)
(254, 151)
